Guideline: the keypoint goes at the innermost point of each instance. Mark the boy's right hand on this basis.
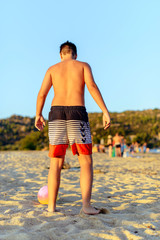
(106, 120)
(39, 122)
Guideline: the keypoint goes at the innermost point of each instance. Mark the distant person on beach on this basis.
(68, 121)
(117, 144)
(109, 144)
(122, 146)
(144, 147)
(132, 148)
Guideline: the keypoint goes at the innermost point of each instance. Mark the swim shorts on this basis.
(118, 145)
(69, 125)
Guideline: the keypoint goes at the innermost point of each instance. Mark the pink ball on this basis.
(43, 195)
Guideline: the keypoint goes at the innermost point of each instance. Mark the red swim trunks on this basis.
(69, 125)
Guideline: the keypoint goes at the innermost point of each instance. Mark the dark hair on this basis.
(68, 47)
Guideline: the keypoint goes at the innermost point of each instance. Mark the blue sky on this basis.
(119, 39)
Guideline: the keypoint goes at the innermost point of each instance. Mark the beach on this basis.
(127, 187)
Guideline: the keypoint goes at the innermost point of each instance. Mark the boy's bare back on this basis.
(68, 83)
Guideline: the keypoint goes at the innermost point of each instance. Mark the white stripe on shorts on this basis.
(69, 131)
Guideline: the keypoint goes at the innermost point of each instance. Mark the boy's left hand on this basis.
(106, 120)
(39, 122)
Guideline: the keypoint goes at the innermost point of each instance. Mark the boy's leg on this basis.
(86, 180)
(54, 181)
(118, 152)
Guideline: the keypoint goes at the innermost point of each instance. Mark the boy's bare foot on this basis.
(91, 210)
(51, 210)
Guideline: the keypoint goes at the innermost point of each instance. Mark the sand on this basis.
(127, 187)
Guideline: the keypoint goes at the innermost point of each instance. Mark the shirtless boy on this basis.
(68, 121)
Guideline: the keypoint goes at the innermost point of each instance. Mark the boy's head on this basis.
(68, 48)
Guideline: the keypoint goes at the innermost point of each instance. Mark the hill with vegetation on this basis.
(19, 133)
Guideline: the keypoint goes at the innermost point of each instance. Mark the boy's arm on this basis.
(95, 93)
(45, 87)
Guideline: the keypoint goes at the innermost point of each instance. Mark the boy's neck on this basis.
(68, 57)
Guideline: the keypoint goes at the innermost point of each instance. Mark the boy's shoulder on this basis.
(80, 64)
(53, 67)
(84, 64)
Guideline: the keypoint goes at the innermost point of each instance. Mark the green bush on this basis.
(141, 138)
(33, 141)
